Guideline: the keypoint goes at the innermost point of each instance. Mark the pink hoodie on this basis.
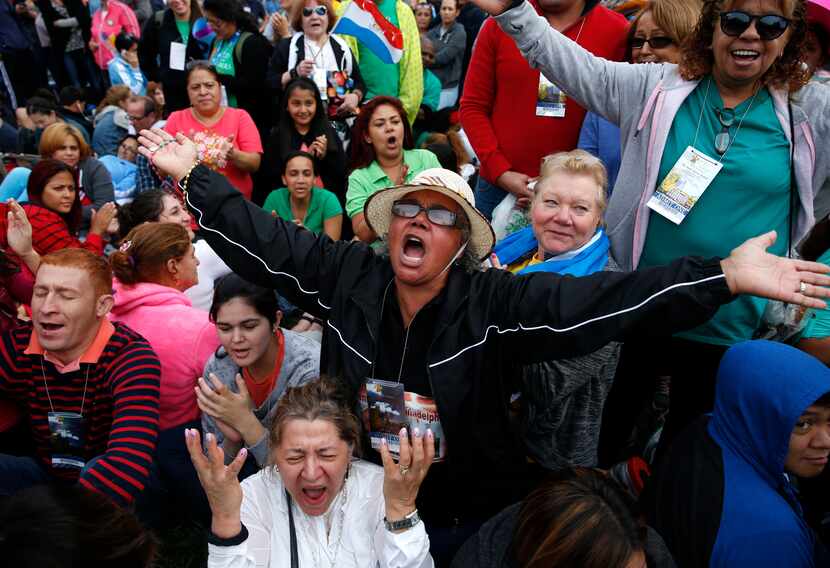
(182, 337)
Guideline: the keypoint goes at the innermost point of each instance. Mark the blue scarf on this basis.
(592, 258)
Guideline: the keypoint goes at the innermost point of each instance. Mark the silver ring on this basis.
(803, 288)
(154, 149)
(404, 469)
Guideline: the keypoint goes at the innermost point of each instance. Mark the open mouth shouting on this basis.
(413, 251)
(314, 495)
(49, 329)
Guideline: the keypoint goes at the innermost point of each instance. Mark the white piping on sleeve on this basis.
(244, 248)
(343, 341)
(522, 327)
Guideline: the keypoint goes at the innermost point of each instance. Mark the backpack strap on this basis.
(237, 49)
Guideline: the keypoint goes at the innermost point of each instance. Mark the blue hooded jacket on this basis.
(762, 389)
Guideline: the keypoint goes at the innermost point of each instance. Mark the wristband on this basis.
(232, 541)
(407, 522)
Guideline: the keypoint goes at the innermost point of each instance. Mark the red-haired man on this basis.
(90, 387)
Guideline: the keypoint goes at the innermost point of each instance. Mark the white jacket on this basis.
(365, 541)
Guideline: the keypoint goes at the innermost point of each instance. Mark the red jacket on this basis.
(498, 107)
(49, 232)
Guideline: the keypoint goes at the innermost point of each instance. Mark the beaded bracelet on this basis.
(183, 181)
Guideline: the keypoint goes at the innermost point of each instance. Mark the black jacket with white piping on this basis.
(490, 323)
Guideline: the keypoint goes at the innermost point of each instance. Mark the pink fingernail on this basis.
(403, 433)
(429, 433)
(243, 452)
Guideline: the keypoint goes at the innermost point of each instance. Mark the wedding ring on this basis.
(154, 149)
(803, 288)
(404, 469)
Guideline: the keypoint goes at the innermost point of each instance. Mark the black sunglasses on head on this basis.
(436, 214)
(319, 10)
(657, 42)
(769, 26)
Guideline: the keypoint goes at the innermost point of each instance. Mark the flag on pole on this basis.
(363, 20)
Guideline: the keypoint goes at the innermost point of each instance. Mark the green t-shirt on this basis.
(323, 206)
(818, 324)
(380, 78)
(432, 90)
(184, 30)
(750, 196)
(221, 57)
(364, 182)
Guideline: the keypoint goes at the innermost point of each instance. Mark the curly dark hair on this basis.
(787, 72)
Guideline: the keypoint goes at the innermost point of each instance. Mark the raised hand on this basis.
(99, 223)
(220, 482)
(220, 402)
(402, 480)
(172, 156)
(18, 230)
(750, 269)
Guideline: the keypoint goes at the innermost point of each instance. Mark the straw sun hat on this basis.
(378, 208)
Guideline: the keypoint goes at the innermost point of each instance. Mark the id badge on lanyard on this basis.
(67, 437)
(550, 100)
(683, 186)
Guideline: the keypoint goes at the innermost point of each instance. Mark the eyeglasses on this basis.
(726, 117)
(769, 26)
(657, 42)
(437, 215)
(319, 10)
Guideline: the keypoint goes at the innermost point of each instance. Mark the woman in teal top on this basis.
(382, 156)
(739, 86)
(314, 208)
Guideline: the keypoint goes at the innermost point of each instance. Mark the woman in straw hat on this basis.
(444, 341)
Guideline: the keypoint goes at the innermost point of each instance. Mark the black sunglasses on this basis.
(436, 214)
(769, 27)
(657, 42)
(319, 10)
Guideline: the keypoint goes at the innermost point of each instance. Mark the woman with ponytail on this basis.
(160, 206)
(153, 267)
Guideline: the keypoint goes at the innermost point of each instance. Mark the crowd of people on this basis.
(495, 283)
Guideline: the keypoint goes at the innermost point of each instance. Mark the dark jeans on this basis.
(444, 541)
(693, 368)
(487, 197)
(20, 472)
(81, 70)
(178, 478)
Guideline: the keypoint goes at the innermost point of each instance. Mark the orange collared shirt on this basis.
(91, 355)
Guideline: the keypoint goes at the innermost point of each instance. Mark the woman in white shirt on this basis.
(316, 506)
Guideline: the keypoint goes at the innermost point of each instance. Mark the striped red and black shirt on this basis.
(121, 407)
(50, 232)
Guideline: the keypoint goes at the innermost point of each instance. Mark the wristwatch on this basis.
(407, 522)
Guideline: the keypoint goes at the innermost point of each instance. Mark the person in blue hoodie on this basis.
(724, 493)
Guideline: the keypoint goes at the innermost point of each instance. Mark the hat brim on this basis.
(378, 215)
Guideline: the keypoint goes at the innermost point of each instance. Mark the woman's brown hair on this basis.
(53, 137)
(786, 73)
(297, 17)
(114, 97)
(145, 250)
(677, 18)
(579, 517)
(317, 400)
(363, 153)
